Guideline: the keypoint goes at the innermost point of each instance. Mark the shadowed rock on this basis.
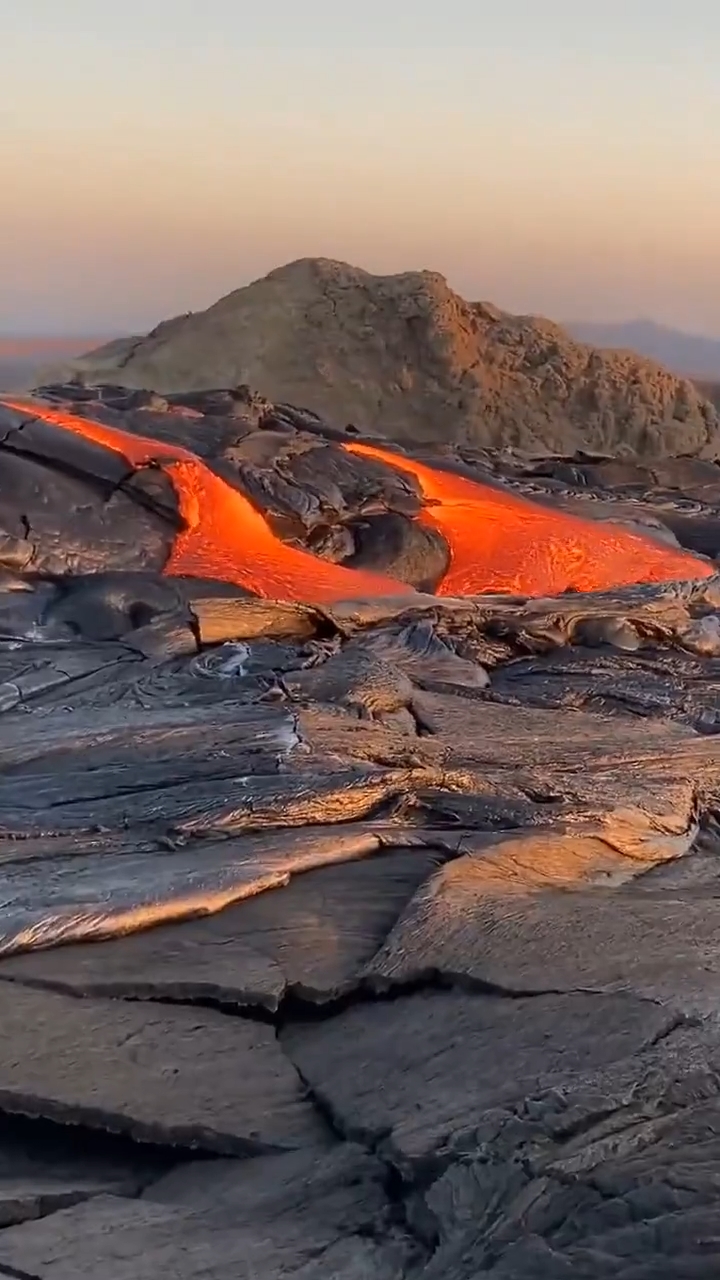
(155, 1074)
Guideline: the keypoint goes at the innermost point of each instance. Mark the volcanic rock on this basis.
(366, 939)
(406, 357)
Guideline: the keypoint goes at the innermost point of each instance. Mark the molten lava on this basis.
(503, 543)
(499, 542)
(224, 536)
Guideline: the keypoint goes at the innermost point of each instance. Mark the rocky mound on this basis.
(406, 356)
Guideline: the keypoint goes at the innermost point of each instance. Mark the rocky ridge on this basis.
(406, 357)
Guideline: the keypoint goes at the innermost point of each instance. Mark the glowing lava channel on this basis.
(503, 543)
(499, 542)
(224, 536)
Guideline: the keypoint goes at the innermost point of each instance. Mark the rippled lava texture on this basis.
(374, 940)
(499, 542)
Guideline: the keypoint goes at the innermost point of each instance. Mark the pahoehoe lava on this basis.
(498, 542)
(224, 536)
(356, 921)
(504, 543)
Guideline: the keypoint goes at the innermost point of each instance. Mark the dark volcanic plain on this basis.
(458, 1014)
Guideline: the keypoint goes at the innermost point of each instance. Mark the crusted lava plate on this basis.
(358, 851)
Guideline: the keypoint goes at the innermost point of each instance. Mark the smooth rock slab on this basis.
(119, 1239)
(44, 1168)
(164, 1075)
(528, 924)
(188, 962)
(422, 1071)
(340, 1192)
(56, 892)
(313, 935)
(325, 924)
(266, 1218)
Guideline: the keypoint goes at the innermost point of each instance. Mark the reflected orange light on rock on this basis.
(503, 543)
(224, 536)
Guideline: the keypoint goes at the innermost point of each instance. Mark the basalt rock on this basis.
(368, 937)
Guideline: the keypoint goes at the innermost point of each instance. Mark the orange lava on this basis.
(224, 536)
(499, 542)
(503, 543)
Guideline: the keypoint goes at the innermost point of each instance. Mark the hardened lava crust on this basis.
(359, 851)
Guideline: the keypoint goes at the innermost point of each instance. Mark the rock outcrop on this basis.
(405, 356)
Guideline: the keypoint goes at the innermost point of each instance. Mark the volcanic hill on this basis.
(405, 356)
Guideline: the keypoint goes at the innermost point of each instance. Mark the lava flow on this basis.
(224, 536)
(503, 543)
(499, 542)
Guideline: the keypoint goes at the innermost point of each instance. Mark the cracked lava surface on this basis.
(439, 874)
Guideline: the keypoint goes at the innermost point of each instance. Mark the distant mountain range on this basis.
(21, 357)
(691, 354)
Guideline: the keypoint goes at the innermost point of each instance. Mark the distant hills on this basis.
(690, 354)
(21, 358)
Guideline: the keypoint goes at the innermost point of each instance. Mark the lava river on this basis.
(499, 542)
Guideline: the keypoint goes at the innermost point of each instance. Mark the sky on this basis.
(559, 157)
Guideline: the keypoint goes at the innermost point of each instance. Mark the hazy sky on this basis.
(557, 156)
